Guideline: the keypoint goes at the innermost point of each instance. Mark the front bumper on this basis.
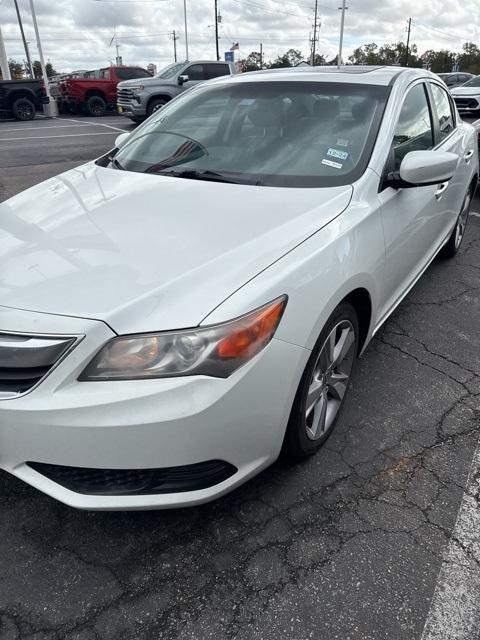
(146, 424)
(131, 107)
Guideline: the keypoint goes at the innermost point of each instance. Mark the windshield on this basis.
(170, 71)
(474, 82)
(292, 134)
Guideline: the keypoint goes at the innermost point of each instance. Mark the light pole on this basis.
(3, 60)
(343, 8)
(186, 30)
(216, 31)
(27, 53)
(52, 110)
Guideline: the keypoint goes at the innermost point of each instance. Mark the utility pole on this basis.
(27, 53)
(314, 41)
(343, 8)
(407, 52)
(216, 30)
(186, 30)
(175, 38)
(261, 55)
(5, 69)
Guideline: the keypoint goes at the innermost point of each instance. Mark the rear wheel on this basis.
(455, 240)
(23, 109)
(324, 384)
(155, 105)
(95, 106)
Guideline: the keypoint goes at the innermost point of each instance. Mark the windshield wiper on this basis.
(116, 163)
(194, 174)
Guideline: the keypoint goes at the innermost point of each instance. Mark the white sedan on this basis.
(178, 312)
(467, 97)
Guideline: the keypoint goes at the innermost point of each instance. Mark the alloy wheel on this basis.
(329, 380)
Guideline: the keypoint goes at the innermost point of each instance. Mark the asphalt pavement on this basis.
(374, 538)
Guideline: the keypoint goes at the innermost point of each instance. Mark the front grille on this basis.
(466, 103)
(125, 94)
(26, 359)
(119, 482)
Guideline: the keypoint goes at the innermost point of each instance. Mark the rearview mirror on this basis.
(422, 168)
(182, 79)
(121, 139)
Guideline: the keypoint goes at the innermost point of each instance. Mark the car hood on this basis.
(144, 252)
(465, 91)
(146, 82)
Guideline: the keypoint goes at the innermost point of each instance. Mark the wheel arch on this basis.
(20, 93)
(90, 93)
(156, 96)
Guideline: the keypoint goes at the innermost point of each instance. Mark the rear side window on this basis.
(414, 130)
(217, 70)
(444, 113)
(131, 74)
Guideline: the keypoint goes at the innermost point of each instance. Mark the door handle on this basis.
(468, 156)
(439, 192)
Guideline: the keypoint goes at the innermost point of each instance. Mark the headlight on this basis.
(216, 351)
(138, 87)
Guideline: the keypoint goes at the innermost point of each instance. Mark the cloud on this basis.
(76, 33)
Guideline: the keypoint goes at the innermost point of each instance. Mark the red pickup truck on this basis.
(96, 91)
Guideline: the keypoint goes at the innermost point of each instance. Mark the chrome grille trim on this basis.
(27, 359)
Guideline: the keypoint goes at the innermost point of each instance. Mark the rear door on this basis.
(218, 69)
(449, 136)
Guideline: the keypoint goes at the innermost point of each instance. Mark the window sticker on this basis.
(336, 153)
(342, 142)
(330, 163)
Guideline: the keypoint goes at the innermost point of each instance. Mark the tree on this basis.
(441, 61)
(37, 69)
(252, 62)
(16, 69)
(290, 58)
(366, 54)
(469, 59)
(319, 60)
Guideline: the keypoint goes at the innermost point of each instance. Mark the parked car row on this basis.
(138, 100)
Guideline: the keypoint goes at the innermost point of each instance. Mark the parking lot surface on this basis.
(374, 538)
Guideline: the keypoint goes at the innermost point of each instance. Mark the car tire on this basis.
(23, 109)
(95, 106)
(313, 420)
(155, 104)
(450, 249)
(136, 119)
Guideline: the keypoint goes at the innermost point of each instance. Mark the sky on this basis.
(76, 34)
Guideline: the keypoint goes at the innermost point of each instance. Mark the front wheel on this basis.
(324, 384)
(458, 233)
(155, 104)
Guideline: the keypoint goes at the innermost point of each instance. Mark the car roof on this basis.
(353, 74)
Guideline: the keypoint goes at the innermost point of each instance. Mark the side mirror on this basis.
(121, 139)
(422, 168)
(182, 79)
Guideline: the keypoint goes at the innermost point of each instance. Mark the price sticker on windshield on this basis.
(336, 153)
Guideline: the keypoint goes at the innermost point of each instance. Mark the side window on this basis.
(104, 74)
(445, 117)
(414, 127)
(217, 70)
(196, 72)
